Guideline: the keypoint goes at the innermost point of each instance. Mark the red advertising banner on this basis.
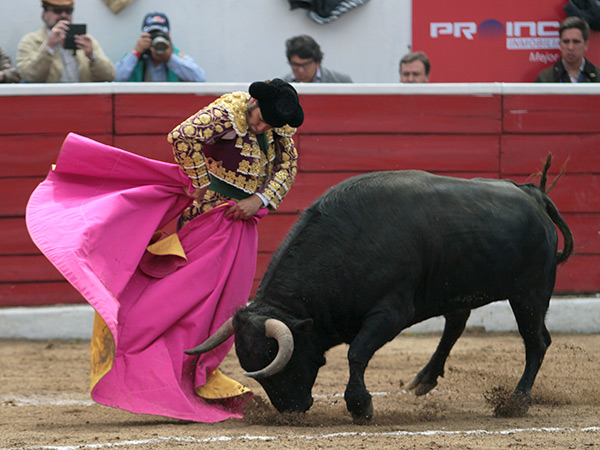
(479, 41)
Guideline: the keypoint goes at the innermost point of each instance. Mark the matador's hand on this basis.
(198, 193)
(245, 209)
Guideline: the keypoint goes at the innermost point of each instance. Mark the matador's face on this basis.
(256, 123)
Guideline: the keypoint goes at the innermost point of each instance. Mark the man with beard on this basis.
(239, 155)
(42, 58)
(240, 147)
(155, 294)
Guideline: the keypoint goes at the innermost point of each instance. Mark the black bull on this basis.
(383, 251)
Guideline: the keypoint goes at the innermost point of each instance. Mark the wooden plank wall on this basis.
(494, 136)
(32, 130)
(566, 126)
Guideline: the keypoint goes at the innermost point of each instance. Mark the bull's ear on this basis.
(302, 326)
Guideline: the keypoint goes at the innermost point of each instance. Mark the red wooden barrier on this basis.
(38, 293)
(579, 151)
(56, 114)
(423, 114)
(399, 151)
(32, 154)
(551, 114)
(142, 114)
(489, 135)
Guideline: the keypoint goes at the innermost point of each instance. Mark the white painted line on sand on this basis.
(160, 440)
(64, 399)
(373, 394)
(385, 394)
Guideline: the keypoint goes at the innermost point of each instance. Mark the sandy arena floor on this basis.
(44, 402)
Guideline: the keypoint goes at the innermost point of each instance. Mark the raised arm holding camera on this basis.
(154, 58)
(44, 56)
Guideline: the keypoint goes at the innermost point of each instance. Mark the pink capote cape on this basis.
(93, 218)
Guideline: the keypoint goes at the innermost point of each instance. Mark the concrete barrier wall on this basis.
(470, 130)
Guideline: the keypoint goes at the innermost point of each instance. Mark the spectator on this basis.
(41, 57)
(414, 68)
(572, 67)
(155, 58)
(8, 74)
(305, 56)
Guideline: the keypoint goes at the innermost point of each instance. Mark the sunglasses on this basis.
(59, 11)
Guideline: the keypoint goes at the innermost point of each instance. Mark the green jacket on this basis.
(140, 68)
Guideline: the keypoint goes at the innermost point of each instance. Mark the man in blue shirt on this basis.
(155, 58)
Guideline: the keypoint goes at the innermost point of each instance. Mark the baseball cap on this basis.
(155, 21)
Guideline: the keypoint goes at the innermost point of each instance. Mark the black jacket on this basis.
(559, 74)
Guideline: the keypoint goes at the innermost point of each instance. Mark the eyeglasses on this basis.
(59, 11)
(303, 65)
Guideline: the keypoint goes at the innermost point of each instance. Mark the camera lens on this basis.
(160, 45)
(160, 41)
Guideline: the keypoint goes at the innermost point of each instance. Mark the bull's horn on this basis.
(216, 339)
(279, 331)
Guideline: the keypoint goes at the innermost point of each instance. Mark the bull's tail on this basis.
(544, 174)
(552, 211)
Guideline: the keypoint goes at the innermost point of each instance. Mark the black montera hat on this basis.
(278, 102)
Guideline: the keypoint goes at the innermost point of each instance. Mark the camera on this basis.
(160, 41)
(75, 29)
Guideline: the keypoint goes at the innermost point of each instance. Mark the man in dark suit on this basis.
(572, 67)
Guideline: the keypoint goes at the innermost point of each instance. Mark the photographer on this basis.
(155, 58)
(43, 58)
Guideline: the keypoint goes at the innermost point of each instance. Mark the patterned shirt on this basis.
(217, 143)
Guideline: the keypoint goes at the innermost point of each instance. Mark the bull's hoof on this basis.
(508, 404)
(360, 405)
(363, 419)
(420, 386)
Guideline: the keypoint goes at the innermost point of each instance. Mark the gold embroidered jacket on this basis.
(216, 142)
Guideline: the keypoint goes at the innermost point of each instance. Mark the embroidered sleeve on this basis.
(284, 172)
(204, 127)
